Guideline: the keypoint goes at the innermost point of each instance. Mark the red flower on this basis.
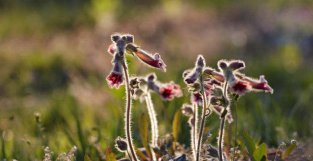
(149, 59)
(115, 79)
(259, 85)
(169, 91)
(240, 87)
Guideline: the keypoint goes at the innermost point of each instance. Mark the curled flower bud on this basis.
(152, 60)
(121, 144)
(115, 37)
(200, 61)
(192, 77)
(222, 64)
(169, 91)
(128, 38)
(187, 110)
(151, 77)
(236, 65)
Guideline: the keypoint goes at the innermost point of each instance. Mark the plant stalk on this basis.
(204, 105)
(128, 114)
(153, 122)
(194, 130)
(220, 139)
(222, 124)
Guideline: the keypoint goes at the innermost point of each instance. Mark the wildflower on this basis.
(259, 85)
(169, 91)
(192, 76)
(153, 60)
(116, 77)
(240, 87)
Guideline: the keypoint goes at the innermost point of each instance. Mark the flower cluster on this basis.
(122, 44)
(213, 81)
(141, 85)
(212, 89)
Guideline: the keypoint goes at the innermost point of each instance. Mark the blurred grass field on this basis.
(54, 63)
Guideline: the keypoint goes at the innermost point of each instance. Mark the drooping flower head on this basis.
(152, 60)
(239, 84)
(122, 44)
(116, 77)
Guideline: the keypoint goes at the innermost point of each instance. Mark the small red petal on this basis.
(115, 79)
(240, 87)
(112, 49)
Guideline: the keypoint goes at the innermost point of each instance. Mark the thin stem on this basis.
(194, 130)
(220, 140)
(204, 105)
(128, 114)
(153, 122)
(222, 125)
(236, 126)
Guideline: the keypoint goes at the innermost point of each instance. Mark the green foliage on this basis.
(248, 143)
(289, 150)
(260, 153)
(176, 125)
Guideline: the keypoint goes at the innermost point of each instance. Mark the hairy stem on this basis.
(222, 125)
(194, 130)
(220, 139)
(128, 114)
(204, 105)
(236, 126)
(153, 122)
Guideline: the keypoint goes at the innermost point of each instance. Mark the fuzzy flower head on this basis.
(125, 42)
(169, 91)
(152, 60)
(116, 77)
(238, 83)
(122, 44)
(191, 76)
(141, 85)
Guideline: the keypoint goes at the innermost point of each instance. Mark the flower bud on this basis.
(200, 62)
(115, 37)
(222, 64)
(236, 65)
(121, 144)
(128, 38)
(187, 110)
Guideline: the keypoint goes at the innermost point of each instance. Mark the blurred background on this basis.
(54, 63)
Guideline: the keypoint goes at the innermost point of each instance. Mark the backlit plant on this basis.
(214, 90)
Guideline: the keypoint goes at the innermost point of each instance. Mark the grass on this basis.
(77, 108)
